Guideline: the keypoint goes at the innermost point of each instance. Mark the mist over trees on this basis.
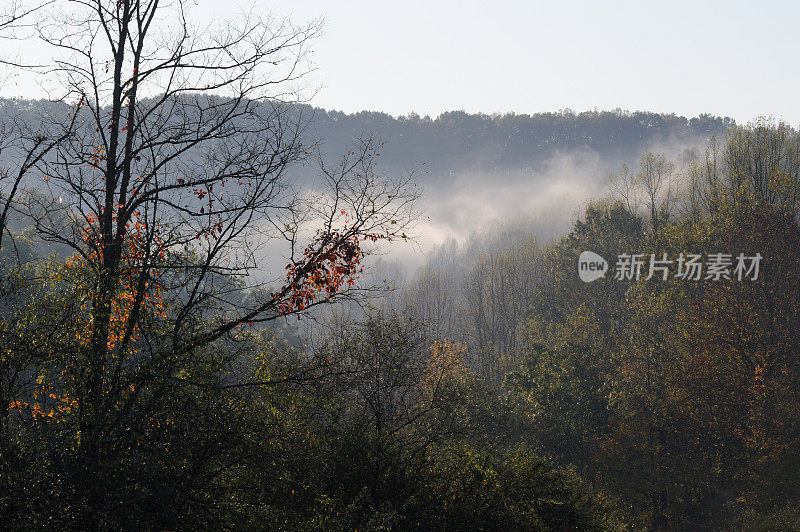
(160, 370)
(675, 397)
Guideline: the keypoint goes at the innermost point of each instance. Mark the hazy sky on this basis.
(726, 58)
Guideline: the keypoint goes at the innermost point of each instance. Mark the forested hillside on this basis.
(539, 166)
(676, 396)
(456, 141)
(194, 335)
(493, 389)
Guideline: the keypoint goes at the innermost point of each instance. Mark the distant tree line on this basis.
(457, 141)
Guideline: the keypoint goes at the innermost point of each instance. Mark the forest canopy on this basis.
(162, 366)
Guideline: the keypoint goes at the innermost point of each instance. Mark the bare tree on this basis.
(657, 182)
(704, 189)
(654, 187)
(624, 187)
(170, 189)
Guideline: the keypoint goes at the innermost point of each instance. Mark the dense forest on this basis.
(677, 398)
(493, 389)
(456, 141)
(193, 334)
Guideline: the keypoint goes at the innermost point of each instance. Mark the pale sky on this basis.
(734, 58)
(725, 58)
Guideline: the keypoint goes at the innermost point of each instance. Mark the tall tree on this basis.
(174, 181)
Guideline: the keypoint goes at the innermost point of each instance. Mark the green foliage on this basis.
(679, 397)
(562, 405)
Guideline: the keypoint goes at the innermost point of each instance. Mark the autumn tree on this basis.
(173, 182)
